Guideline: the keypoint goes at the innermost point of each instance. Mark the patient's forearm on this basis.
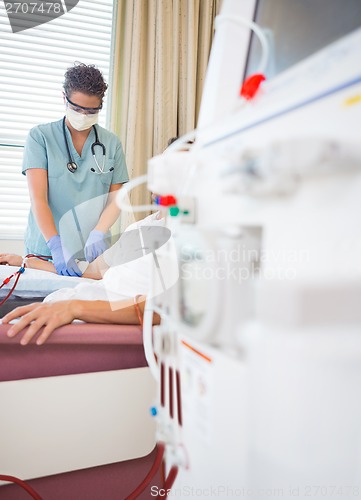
(96, 269)
(99, 311)
(11, 259)
(41, 265)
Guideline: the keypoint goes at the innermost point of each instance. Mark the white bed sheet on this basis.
(35, 283)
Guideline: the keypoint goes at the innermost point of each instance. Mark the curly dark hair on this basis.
(84, 78)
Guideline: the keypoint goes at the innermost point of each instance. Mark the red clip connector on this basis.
(251, 85)
(165, 201)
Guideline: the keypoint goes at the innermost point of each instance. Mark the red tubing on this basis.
(156, 464)
(18, 274)
(41, 257)
(22, 484)
(170, 387)
(12, 289)
(179, 398)
(162, 388)
(168, 483)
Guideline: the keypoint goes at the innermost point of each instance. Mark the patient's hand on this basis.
(51, 315)
(10, 259)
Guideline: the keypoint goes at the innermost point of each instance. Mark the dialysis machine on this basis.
(258, 354)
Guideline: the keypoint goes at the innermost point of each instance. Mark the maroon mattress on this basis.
(71, 349)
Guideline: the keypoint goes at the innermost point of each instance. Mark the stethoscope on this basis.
(72, 166)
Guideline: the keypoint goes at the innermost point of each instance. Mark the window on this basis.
(32, 67)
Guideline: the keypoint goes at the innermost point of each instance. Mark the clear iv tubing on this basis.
(149, 309)
(129, 186)
(148, 330)
(256, 29)
(147, 338)
(142, 179)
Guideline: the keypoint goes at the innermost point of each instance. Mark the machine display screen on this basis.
(298, 28)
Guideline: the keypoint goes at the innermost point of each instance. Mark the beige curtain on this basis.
(161, 56)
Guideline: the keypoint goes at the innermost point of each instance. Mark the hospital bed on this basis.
(75, 420)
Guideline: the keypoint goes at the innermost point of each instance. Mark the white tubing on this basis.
(121, 196)
(256, 29)
(148, 338)
(149, 309)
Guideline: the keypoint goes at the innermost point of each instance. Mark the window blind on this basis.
(32, 67)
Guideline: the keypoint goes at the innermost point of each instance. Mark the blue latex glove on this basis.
(69, 268)
(95, 245)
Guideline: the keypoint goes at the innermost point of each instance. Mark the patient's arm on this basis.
(52, 315)
(32, 262)
(95, 270)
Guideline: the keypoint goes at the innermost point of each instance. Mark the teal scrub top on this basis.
(75, 199)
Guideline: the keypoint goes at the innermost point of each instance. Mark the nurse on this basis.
(73, 168)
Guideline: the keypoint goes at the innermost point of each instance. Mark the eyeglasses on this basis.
(81, 109)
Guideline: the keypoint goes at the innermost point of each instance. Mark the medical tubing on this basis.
(137, 310)
(170, 392)
(155, 467)
(142, 179)
(179, 398)
(162, 384)
(168, 483)
(19, 273)
(129, 186)
(22, 484)
(8, 279)
(147, 339)
(12, 288)
(164, 315)
(162, 471)
(256, 29)
(41, 257)
(149, 309)
(148, 329)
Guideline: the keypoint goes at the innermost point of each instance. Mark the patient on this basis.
(106, 301)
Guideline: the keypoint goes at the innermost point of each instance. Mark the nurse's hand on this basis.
(69, 268)
(95, 245)
(36, 316)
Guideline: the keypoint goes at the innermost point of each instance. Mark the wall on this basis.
(12, 246)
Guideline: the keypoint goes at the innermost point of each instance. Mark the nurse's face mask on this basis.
(79, 117)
